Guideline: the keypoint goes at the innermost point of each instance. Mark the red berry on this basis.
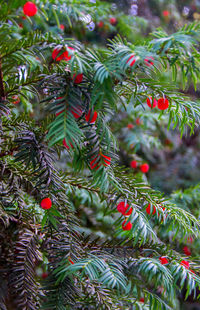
(124, 209)
(130, 126)
(142, 299)
(44, 275)
(131, 61)
(95, 163)
(62, 27)
(166, 13)
(163, 103)
(78, 78)
(150, 104)
(148, 209)
(77, 112)
(59, 112)
(187, 251)
(64, 56)
(67, 146)
(149, 61)
(106, 159)
(126, 226)
(163, 260)
(46, 203)
(113, 20)
(134, 164)
(90, 119)
(29, 8)
(185, 264)
(144, 168)
(138, 121)
(100, 24)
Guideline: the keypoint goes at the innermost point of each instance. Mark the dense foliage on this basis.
(88, 103)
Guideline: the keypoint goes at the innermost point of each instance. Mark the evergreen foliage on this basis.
(92, 263)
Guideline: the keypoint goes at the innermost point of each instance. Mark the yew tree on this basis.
(85, 98)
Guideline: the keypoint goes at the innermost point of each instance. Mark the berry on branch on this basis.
(126, 226)
(46, 203)
(124, 209)
(30, 9)
(144, 168)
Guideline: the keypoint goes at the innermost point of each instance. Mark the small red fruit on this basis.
(134, 164)
(163, 103)
(138, 121)
(90, 119)
(30, 9)
(66, 145)
(124, 209)
(149, 61)
(142, 299)
(166, 13)
(58, 113)
(126, 226)
(148, 209)
(113, 20)
(95, 164)
(78, 78)
(44, 275)
(187, 251)
(46, 203)
(163, 260)
(131, 61)
(150, 103)
(106, 159)
(62, 27)
(100, 24)
(77, 112)
(144, 168)
(130, 126)
(185, 264)
(64, 56)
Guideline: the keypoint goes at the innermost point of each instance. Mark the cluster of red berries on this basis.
(161, 103)
(148, 209)
(149, 61)
(144, 167)
(30, 9)
(112, 20)
(96, 163)
(186, 264)
(125, 210)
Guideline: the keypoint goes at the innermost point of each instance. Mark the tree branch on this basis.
(2, 91)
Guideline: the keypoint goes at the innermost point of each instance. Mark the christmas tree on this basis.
(93, 97)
